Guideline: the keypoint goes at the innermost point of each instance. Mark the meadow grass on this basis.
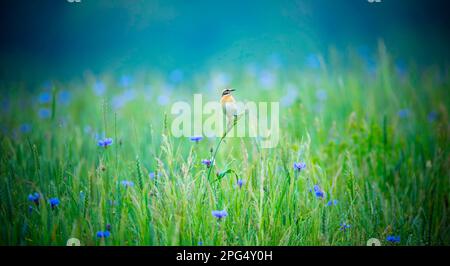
(375, 140)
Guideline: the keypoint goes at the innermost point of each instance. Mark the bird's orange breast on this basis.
(227, 99)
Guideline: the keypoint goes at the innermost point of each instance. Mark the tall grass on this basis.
(374, 140)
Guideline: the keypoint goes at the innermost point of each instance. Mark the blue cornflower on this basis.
(299, 166)
(44, 97)
(99, 88)
(105, 142)
(332, 202)
(393, 239)
(404, 113)
(312, 61)
(196, 139)
(44, 113)
(344, 227)
(267, 79)
(432, 116)
(401, 68)
(127, 183)
(64, 97)
(30, 209)
(163, 99)
(103, 234)
(206, 162)
(176, 76)
(200, 243)
(318, 191)
(34, 197)
(125, 81)
(82, 196)
(108, 227)
(219, 214)
(240, 183)
(152, 175)
(25, 128)
(54, 202)
(321, 95)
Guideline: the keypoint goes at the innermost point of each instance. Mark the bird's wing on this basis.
(231, 109)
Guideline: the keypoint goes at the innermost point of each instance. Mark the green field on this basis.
(374, 140)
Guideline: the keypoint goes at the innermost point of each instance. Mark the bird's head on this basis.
(227, 91)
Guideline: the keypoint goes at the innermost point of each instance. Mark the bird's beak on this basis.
(232, 89)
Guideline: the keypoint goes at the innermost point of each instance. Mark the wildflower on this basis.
(290, 97)
(125, 81)
(318, 191)
(99, 88)
(344, 227)
(432, 116)
(206, 162)
(108, 227)
(25, 128)
(393, 239)
(219, 214)
(82, 196)
(54, 202)
(44, 113)
(312, 61)
(44, 97)
(176, 76)
(404, 113)
(321, 95)
(34, 197)
(30, 209)
(64, 97)
(240, 182)
(103, 234)
(163, 99)
(267, 79)
(299, 166)
(200, 243)
(127, 183)
(105, 142)
(196, 139)
(332, 202)
(401, 68)
(152, 175)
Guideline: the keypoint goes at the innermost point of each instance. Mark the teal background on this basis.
(56, 39)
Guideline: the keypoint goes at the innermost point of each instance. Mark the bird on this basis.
(228, 103)
(229, 107)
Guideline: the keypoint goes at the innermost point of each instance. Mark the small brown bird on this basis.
(229, 106)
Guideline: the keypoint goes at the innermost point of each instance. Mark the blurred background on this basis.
(363, 89)
(47, 40)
